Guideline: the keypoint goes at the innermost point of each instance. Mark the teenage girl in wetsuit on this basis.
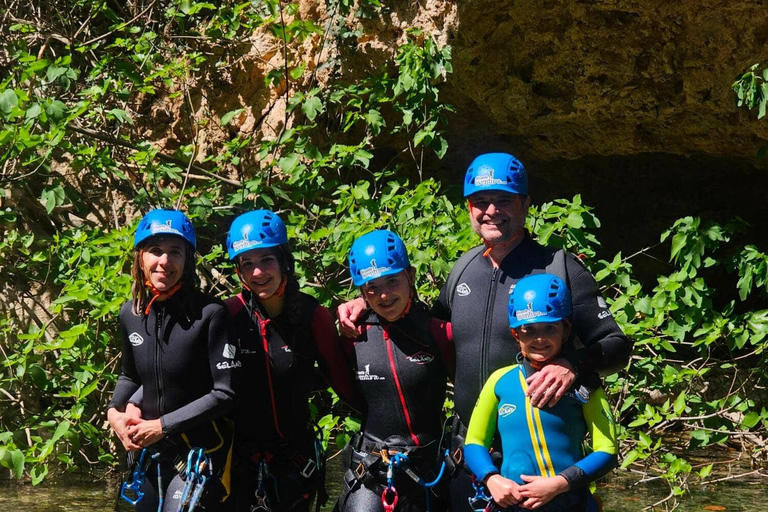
(176, 348)
(283, 333)
(543, 464)
(402, 358)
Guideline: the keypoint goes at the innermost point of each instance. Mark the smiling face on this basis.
(497, 216)
(389, 296)
(162, 261)
(541, 342)
(260, 269)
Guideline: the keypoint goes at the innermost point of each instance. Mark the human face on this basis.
(541, 342)
(261, 271)
(388, 296)
(497, 216)
(162, 261)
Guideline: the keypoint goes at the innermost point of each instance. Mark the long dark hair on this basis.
(140, 291)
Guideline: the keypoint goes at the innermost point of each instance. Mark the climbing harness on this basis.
(197, 474)
(131, 491)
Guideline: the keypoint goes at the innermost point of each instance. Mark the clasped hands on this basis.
(132, 430)
(536, 491)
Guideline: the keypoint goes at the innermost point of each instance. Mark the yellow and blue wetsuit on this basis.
(545, 442)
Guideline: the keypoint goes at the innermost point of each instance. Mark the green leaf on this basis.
(121, 115)
(56, 110)
(8, 101)
(227, 118)
(705, 471)
(17, 463)
(311, 107)
(750, 420)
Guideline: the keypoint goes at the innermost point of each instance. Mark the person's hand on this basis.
(547, 386)
(133, 413)
(348, 313)
(505, 492)
(146, 432)
(539, 490)
(120, 421)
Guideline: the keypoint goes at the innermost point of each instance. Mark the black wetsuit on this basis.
(182, 357)
(401, 369)
(480, 324)
(273, 420)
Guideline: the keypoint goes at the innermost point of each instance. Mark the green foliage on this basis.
(751, 90)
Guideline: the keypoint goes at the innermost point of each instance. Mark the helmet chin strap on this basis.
(157, 294)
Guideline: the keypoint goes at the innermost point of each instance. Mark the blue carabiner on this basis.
(137, 481)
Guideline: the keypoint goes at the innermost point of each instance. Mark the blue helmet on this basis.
(496, 171)
(165, 222)
(376, 254)
(539, 298)
(258, 229)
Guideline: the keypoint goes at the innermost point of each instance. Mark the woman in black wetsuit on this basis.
(177, 355)
(282, 333)
(402, 358)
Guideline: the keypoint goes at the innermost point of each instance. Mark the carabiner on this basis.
(389, 506)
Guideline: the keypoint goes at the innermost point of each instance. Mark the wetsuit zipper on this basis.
(487, 328)
(159, 316)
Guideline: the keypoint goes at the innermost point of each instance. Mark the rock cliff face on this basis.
(566, 80)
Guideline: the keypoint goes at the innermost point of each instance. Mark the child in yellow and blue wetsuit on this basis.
(543, 464)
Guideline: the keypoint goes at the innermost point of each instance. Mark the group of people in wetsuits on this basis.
(217, 393)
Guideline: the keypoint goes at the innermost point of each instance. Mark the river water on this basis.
(620, 492)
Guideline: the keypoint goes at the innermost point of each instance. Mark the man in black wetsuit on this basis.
(476, 293)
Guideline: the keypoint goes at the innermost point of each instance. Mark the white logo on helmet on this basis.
(528, 313)
(463, 290)
(484, 177)
(370, 250)
(373, 271)
(229, 351)
(135, 339)
(507, 409)
(529, 296)
(157, 227)
(245, 243)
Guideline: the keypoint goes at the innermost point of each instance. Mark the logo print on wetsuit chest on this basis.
(463, 290)
(367, 375)
(421, 358)
(135, 339)
(507, 409)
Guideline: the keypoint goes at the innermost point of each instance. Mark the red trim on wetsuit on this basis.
(336, 370)
(399, 389)
(263, 330)
(440, 330)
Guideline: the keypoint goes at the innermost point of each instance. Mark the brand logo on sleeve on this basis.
(601, 302)
(229, 351)
(463, 290)
(421, 358)
(506, 409)
(135, 339)
(367, 375)
(604, 314)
